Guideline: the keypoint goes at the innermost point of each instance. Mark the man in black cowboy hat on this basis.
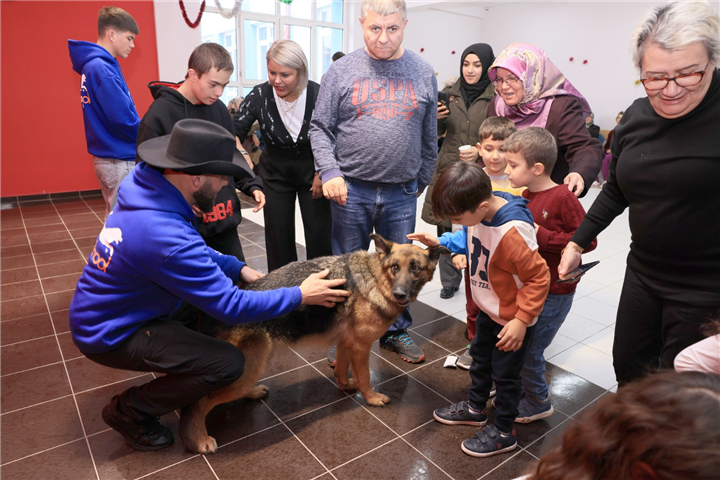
(150, 269)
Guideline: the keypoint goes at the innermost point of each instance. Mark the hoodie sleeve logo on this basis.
(84, 94)
(103, 252)
(384, 98)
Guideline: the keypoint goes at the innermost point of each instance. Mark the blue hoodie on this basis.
(111, 120)
(149, 257)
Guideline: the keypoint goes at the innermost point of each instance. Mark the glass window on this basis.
(301, 35)
(246, 91)
(297, 9)
(259, 6)
(214, 28)
(229, 94)
(329, 40)
(258, 36)
(329, 11)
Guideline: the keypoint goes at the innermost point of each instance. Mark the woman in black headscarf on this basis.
(460, 121)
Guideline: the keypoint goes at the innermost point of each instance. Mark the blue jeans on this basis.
(551, 318)
(389, 209)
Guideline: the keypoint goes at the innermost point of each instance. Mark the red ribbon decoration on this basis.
(187, 20)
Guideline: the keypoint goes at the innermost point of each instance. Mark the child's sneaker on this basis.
(465, 360)
(459, 414)
(489, 441)
(531, 410)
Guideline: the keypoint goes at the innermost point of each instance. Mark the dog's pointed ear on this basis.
(435, 252)
(381, 245)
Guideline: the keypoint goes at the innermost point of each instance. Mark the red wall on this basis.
(43, 139)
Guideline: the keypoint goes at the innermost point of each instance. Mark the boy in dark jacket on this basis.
(198, 96)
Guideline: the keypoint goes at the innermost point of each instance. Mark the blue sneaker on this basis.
(401, 343)
(530, 410)
(459, 414)
(489, 441)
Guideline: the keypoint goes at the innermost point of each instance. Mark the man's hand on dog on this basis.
(512, 335)
(316, 291)
(249, 275)
(335, 190)
(425, 238)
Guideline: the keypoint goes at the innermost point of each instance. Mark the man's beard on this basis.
(205, 198)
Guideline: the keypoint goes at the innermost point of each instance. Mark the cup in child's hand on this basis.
(465, 148)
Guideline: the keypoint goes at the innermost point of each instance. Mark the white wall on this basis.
(175, 40)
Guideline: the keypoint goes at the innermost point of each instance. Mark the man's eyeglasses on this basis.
(681, 80)
(510, 81)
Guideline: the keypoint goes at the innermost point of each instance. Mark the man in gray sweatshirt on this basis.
(374, 138)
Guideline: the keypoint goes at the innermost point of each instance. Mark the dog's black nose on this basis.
(400, 295)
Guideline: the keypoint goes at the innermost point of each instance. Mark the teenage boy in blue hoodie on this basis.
(150, 270)
(111, 120)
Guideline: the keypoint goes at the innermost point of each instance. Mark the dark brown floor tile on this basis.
(395, 461)
(422, 313)
(551, 440)
(16, 262)
(6, 252)
(281, 360)
(34, 204)
(193, 469)
(38, 239)
(529, 432)
(61, 268)
(87, 232)
(323, 432)
(14, 242)
(517, 466)
(380, 370)
(12, 232)
(570, 393)
(53, 246)
(86, 244)
(38, 214)
(258, 263)
(272, 454)
(13, 331)
(11, 223)
(81, 220)
(300, 391)
(59, 257)
(86, 374)
(42, 221)
(45, 229)
(23, 307)
(60, 283)
(32, 387)
(451, 383)
(30, 354)
(67, 347)
(60, 300)
(91, 403)
(115, 459)
(411, 404)
(69, 203)
(441, 444)
(60, 319)
(432, 353)
(448, 332)
(18, 275)
(249, 227)
(256, 237)
(38, 428)
(252, 251)
(16, 291)
(311, 352)
(239, 419)
(69, 462)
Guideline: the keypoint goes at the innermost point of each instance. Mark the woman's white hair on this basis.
(677, 25)
(289, 54)
(383, 7)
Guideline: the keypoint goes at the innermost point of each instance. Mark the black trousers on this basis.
(279, 213)
(655, 321)
(491, 364)
(449, 275)
(227, 243)
(195, 365)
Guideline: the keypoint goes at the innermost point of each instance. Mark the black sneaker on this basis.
(488, 442)
(459, 414)
(448, 292)
(145, 434)
(401, 343)
(332, 356)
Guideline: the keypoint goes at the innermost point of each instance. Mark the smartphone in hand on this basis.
(444, 98)
(578, 272)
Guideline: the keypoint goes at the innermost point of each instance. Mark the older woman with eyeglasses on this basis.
(665, 169)
(532, 92)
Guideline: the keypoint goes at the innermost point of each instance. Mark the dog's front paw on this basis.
(377, 399)
(350, 385)
(257, 392)
(204, 445)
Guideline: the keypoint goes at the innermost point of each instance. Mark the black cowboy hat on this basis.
(197, 147)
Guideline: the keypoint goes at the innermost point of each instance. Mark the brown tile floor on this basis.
(306, 428)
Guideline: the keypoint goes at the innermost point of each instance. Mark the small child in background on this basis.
(531, 155)
(492, 133)
(509, 282)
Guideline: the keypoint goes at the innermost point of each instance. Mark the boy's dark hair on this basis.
(459, 189)
(337, 56)
(207, 56)
(535, 144)
(117, 19)
(496, 128)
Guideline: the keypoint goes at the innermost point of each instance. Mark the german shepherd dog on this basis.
(382, 284)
